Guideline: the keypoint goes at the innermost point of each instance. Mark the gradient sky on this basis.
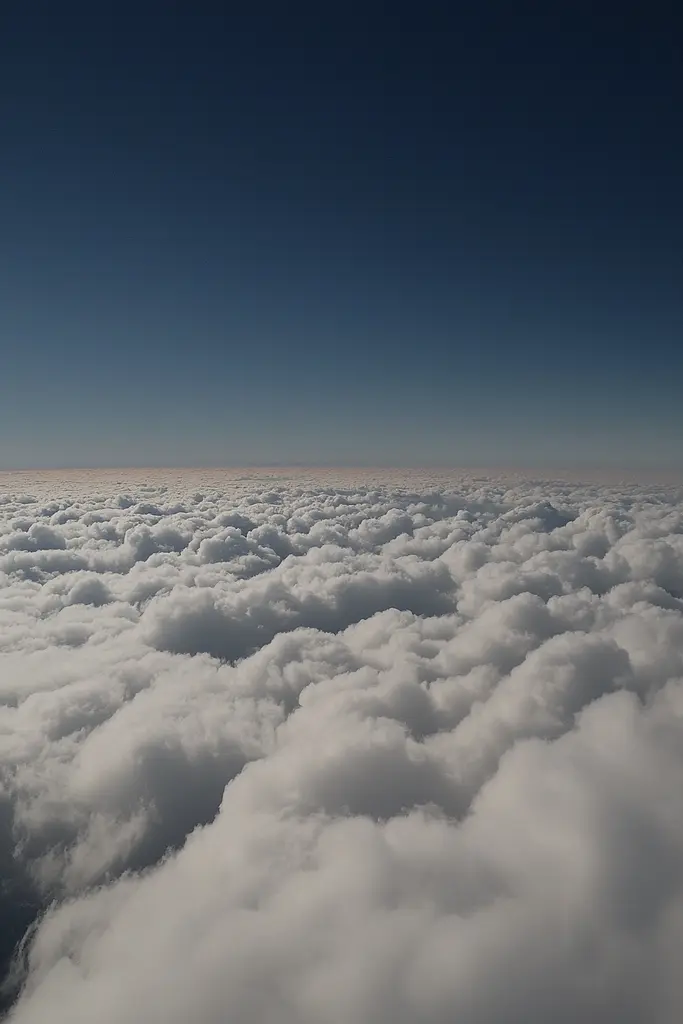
(408, 234)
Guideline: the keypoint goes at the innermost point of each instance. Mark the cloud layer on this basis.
(324, 748)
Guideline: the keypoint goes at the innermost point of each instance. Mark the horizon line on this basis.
(649, 473)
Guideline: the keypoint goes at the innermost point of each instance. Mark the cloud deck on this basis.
(317, 747)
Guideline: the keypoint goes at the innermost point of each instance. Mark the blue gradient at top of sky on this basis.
(438, 234)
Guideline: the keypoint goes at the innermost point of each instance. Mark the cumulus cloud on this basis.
(326, 747)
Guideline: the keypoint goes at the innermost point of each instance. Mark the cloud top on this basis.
(318, 748)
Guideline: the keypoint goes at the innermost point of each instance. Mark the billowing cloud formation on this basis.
(322, 749)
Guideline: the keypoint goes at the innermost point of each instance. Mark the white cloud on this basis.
(319, 748)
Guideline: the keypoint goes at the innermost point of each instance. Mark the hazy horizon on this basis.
(607, 474)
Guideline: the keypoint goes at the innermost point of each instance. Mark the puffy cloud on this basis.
(329, 747)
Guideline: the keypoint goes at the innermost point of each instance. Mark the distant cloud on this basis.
(317, 749)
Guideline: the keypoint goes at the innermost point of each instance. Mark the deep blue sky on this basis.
(400, 234)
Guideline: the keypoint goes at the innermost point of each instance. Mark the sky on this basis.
(358, 235)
